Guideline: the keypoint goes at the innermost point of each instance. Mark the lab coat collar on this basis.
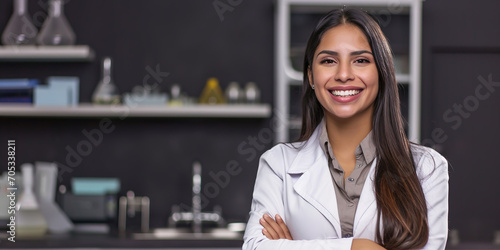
(315, 184)
(308, 153)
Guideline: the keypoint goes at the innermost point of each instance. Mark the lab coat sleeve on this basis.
(268, 198)
(434, 178)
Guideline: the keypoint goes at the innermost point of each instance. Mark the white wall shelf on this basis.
(78, 53)
(92, 111)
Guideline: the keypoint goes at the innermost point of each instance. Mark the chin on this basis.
(343, 114)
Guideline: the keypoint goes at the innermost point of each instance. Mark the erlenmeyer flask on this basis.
(212, 94)
(56, 29)
(106, 92)
(20, 29)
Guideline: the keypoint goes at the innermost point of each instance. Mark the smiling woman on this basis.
(352, 180)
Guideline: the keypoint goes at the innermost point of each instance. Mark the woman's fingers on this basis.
(268, 230)
(275, 226)
(275, 229)
(283, 227)
(267, 234)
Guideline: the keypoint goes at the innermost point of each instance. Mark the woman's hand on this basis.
(274, 230)
(277, 229)
(365, 244)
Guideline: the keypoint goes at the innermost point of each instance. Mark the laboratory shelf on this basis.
(77, 53)
(121, 111)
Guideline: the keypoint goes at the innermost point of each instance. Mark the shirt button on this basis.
(350, 179)
(347, 235)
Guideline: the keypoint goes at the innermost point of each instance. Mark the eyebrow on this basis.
(334, 53)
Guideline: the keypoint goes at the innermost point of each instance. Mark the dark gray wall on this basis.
(461, 44)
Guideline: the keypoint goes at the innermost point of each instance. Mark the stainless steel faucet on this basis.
(197, 220)
(196, 216)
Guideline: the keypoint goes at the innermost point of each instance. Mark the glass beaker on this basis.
(106, 92)
(56, 29)
(20, 29)
(30, 221)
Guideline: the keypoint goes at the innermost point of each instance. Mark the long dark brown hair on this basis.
(401, 203)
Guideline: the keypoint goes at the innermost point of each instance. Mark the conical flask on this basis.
(106, 92)
(212, 93)
(20, 29)
(56, 29)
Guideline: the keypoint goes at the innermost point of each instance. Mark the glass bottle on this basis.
(30, 221)
(234, 93)
(252, 93)
(106, 92)
(56, 29)
(20, 29)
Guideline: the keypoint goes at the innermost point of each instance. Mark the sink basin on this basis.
(186, 234)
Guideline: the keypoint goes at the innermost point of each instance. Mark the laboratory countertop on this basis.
(107, 241)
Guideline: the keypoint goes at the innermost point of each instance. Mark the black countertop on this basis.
(107, 241)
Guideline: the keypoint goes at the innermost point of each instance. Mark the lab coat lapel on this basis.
(315, 184)
(364, 212)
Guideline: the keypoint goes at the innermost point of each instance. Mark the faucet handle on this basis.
(131, 203)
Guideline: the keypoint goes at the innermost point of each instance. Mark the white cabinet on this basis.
(286, 76)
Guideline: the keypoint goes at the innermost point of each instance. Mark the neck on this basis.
(56, 8)
(346, 134)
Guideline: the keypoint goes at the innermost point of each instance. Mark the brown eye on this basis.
(362, 61)
(327, 61)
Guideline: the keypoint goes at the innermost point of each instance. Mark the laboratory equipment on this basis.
(106, 91)
(252, 93)
(56, 29)
(212, 94)
(20, 29)
(29, 218)
(234, 93)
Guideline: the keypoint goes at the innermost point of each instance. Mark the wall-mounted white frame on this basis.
(33, 53)
(120, 111)
(285, 75)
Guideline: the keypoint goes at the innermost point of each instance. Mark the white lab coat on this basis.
(296, 184)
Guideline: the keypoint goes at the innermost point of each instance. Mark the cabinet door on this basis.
(464, 127)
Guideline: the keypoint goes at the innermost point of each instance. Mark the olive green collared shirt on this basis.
(348, 190)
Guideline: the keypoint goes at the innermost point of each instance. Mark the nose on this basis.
(344, 73)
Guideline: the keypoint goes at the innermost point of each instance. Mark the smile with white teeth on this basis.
(345, 93)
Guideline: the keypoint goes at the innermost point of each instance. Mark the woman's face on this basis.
(344, 73)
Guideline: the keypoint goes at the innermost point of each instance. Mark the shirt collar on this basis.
(366, 147)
